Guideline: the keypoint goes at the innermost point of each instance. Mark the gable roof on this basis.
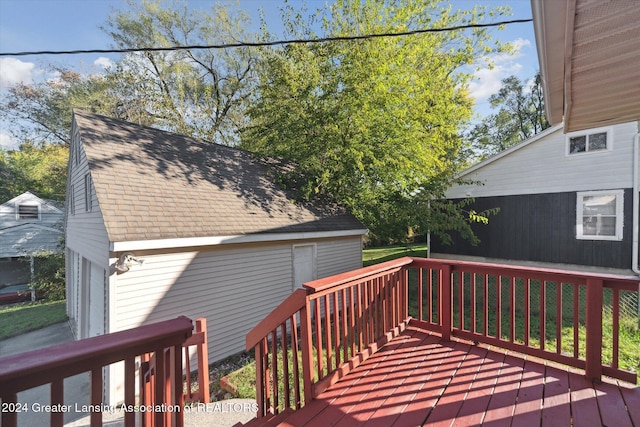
(26, 239)
(49, 210)
(509, 150)
(151, 184)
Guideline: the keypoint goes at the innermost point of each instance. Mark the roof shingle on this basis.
(153, 184)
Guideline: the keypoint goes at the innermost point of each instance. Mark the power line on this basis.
(267, 43)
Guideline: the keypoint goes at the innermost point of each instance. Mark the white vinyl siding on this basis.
(86, 232)
(542, 166)
(234, 287)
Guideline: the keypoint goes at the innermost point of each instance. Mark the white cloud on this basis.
(103, 62)
(7, 143)
(14, 71)
(488, 80)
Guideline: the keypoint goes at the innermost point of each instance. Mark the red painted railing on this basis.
(52, 365)
(149, 372)
(342, 320)
(525, 310)
(320, 333)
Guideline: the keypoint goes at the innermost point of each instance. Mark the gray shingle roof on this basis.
(153, 184)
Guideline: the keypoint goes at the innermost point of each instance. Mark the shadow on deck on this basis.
(417, 379)
(393, 345)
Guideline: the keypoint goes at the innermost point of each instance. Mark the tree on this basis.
(373, 124)
(520, 116)
(196, 92)
(41, 113)
(39, 169)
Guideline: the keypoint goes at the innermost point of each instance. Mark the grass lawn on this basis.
(18, 319)
(387, 253)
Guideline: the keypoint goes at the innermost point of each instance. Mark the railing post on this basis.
(203, 361)
(260, 385)
(593, 356)
(445, 301)
(307, 351)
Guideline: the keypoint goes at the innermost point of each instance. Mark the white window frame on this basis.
(37, 205)
(619, 194)
(587, 133)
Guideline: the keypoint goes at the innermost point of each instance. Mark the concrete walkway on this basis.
(76, 391)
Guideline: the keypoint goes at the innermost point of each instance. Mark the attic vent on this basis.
(28, 212)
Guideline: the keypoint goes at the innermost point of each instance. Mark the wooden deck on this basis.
(417, 379)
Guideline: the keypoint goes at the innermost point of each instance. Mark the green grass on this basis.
(387, 253)
(18, 319)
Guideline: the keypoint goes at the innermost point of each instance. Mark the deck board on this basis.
(417, 379)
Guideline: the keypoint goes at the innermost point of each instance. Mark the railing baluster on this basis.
(9, 418)
(261, 385)
(274, 371)
(499, 307)
(445, 302)
(352, 319)
(327, 331)
(430, 295)
(472, 303)
(267, 373)
(336, 331)
(296, 362)
(360, 320)
(318, 331)
(460, 299)
(527, 310)
(559, 317)
(594, 329)
(576, 320)
(512, 315)
(543, 313)
(616, 327)
(345, 331)
(485, 301)
(57, 398)
(307, 350)
(96, 395)
(420, 274)
(285, 365)
(129, 389)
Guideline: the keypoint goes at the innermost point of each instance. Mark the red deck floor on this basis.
(418, 380)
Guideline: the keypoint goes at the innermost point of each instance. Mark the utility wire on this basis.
(266, 43)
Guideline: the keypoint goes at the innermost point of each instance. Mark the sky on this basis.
(32, 25)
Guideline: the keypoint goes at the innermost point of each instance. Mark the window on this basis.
(87, 193)
(599, 215)
(28, 212)
(588, 142)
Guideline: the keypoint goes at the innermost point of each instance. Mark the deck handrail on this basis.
(323, 331)
(453, 273)
(51, 365)
(345, 317)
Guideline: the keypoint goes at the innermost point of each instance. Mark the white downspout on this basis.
(634, 252)
(636, 153)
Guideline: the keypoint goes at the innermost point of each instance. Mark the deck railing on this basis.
(52, 365)
(323, 331)
(552, 314)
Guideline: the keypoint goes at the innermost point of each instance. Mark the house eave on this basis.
(223, 240)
